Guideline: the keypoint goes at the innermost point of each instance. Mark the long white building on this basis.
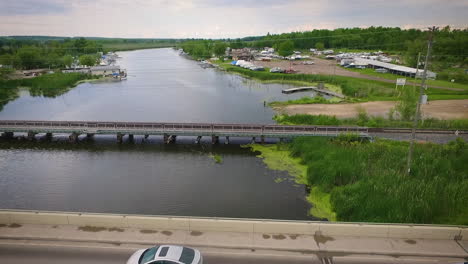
(393, 68)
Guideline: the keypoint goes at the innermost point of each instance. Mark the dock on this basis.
(312, 88)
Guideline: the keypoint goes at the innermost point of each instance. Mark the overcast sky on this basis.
(218, 18)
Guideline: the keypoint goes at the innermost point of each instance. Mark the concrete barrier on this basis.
(221, 225)
(464, 233)
(355, 230)
(394, 231)
(39, 218)
(97, 220)
(148, 222)
(271, 227)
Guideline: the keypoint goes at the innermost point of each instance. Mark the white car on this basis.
(166, 254)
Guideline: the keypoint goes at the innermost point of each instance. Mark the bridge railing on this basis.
(187, 127)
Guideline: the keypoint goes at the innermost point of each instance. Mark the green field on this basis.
(391, 76)
(367, 182)
(356, 89)
(368, 121)
(49, 85)
(134, 46)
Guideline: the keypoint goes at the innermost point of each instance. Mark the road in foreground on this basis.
(13, 252)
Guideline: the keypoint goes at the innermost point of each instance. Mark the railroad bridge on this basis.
(170, 131)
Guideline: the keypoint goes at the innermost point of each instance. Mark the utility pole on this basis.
(418, 109)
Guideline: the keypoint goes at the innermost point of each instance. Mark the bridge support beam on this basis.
(253, 140)
(197, 141)
(171, 139)
(73, 138)
(214, 140)
(31, 135)
(48, 136)
(262, 139)
(227, 140)
(8, 134)
(120, 138)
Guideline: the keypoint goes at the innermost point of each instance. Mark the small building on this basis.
(104, 70)
(242, 54)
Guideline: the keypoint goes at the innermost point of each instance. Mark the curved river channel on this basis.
(150, 178)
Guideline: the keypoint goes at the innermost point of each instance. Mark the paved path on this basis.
(20, 252)
(73, 244)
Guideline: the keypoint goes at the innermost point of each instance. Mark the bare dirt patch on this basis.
(441, 109)
(167, 233)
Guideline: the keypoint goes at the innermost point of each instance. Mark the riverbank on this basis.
(367, 182)
(355, 89)
(278, 157)
(49, 85)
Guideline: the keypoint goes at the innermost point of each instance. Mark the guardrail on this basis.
(206, 224)
(158, 128)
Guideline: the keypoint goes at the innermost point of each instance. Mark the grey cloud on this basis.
(33, 7)
(244, 3)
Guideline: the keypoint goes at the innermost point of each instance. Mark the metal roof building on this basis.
(396, 69)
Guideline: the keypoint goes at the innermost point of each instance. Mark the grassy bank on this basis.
(135, 46)
(49, 85)
(367, 181)
(278, 157)
(353, 88)
(390, 76)
(304, 119)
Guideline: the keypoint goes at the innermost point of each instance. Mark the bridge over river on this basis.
(171, 130)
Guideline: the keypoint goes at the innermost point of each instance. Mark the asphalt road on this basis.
(16, 252)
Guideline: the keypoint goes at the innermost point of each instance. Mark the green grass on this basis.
(217, 158)
(49, 85)
(278, 157)
(391, 76)
(304, 119)
(355, 88)
(134, 46)
(306, 100)
(367, 181)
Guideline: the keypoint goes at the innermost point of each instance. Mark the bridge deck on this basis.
(178, 129)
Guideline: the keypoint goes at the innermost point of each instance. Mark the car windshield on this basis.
(148, 255)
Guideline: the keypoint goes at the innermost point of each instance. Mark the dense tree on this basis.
(219, 49)
(67, 60)
(286, 48)
(29, 57)
(88, 60)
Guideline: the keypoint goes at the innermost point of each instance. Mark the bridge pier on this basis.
(120, 138)
(214, 140)
(227, 140)
(131, 137)
(48, 136)
(197, 141)
(31, 135)
(73, 138)
(262, 139)
(171, 139)
(253, 140)
(8, 135)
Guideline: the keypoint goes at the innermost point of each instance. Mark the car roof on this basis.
(177, 254)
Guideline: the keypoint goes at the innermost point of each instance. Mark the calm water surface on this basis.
(150, 178)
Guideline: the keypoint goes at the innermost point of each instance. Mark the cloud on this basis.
(217, 18)
(33, 7)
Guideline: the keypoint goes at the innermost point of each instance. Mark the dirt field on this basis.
(442, 109)
(329, 67)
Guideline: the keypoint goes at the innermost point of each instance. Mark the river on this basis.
(150, 177)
